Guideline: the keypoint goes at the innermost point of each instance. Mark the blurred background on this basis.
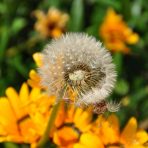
(26, 26)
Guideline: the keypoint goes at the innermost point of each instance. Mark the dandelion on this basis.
(116, 34)
(51, 24)
(78, 63)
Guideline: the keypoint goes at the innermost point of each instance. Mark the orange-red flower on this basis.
(116, 34)
(51, 24)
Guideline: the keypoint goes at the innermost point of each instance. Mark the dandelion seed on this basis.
(113, 106)
(85, 67)
(104, 106)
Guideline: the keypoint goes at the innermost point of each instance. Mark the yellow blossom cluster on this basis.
(116, 34)
(24, 116)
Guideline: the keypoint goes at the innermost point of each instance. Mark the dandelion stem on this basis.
(44, 139)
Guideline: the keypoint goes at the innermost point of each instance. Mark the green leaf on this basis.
(118, 60)
(77, 10)
(10, 145)
(3, 8)
(122, 87)
(4, 38)
(18, 24)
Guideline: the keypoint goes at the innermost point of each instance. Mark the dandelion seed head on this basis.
(81, 63)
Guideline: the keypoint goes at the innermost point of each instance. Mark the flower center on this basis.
(77, 75)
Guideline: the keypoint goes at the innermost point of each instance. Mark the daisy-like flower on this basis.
(116, 34)
(51, 24)
(24, 115)
(15, 122)
(73, 126)
(108, 130)
(79, 63)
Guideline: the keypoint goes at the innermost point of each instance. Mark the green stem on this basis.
(44, 139)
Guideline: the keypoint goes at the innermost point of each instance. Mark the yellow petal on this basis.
(38, 58)
(79, 145)
(91, 140)
(133, 38)
(7, 118)
(28, 129)
(114, 122)
(129, 132)
(83, 124)
(24, 94)
(108, 127)
(33, 75)
(14, 100)
(142, 136)
(34, 80)
(34, 94)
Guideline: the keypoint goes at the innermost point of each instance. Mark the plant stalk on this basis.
(45, 138)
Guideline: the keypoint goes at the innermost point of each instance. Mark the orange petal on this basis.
(65, 136)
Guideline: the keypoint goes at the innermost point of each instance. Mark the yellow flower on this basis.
(106, 127)
(15, 121)
(23, 116)
(109, 132)
(116, 34)
(131, 137)
(35, 79)
(51, 24)
(67, 134)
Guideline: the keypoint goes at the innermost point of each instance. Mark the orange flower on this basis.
(116, 34)
(51, 24)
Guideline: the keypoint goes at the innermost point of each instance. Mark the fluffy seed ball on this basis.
(78, 62)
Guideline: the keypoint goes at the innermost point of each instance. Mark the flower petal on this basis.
(129, 132)
(91, 140)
